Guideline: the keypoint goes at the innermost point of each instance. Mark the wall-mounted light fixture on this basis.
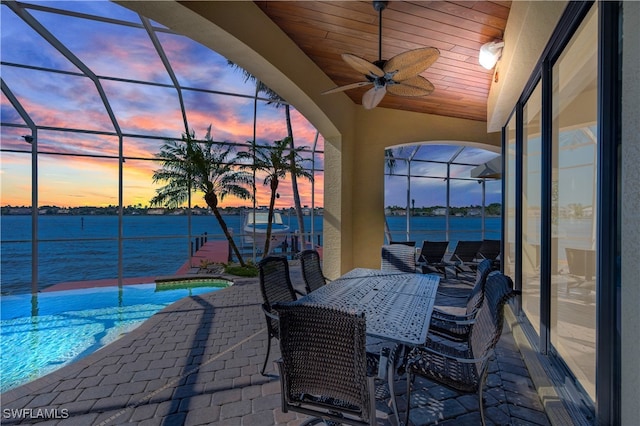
(490, 53)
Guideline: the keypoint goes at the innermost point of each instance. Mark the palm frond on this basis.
(274, 98)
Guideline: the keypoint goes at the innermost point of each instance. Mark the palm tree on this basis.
(189, 165)
(277, 101)
(275, 162)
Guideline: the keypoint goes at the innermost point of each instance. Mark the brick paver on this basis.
(198, 362)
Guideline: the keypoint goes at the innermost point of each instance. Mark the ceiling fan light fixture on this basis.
(490, 53)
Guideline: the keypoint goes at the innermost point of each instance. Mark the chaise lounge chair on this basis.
(431, 258)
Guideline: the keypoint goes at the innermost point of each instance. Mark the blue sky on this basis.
(123, 57)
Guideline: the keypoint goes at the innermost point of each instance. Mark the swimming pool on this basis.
(42, 333)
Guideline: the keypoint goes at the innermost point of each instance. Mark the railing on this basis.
(198, 242)
(293, 244)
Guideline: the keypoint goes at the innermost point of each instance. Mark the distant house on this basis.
(20, 210)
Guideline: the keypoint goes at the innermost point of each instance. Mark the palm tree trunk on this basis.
(272, 203)
(294, 178)
(212, 201)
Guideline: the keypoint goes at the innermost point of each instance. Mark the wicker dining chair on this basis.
(275, 286)
(311, 270)
(457, 326)
(323, 369)
(464, 367)
(398, 257)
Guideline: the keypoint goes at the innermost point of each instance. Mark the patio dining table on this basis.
(397, 305)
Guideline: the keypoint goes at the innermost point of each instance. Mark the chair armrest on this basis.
(463, 360)
(458, 319)
(268, 313)
(457, 296)
(442, 315)
(465, 322)
(459, 357)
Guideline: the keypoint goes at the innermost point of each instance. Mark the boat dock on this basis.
(212, 251)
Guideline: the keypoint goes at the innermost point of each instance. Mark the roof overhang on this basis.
(492, 169)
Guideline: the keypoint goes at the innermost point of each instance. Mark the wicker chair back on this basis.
(398, 257)
(275, 282)
(323, 370)
(275, 286)
(476, 295)
(311, 270)
(487, 328)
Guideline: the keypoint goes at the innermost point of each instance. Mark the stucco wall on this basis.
(523, 45)
(630, 214)
(376, 130)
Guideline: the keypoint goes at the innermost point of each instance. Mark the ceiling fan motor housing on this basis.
(380, 5)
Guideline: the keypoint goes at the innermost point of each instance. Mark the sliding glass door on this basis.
(574, 203)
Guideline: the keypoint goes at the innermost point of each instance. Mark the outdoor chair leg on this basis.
(481, 405)
(372, 399)
(266, 358)
(480, 391)
(399, 350)
(410, 378)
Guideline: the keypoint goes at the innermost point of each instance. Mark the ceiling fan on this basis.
(398, 75)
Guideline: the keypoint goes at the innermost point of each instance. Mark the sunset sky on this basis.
(120, 53)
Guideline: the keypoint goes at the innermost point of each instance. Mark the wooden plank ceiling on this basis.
(325, 30)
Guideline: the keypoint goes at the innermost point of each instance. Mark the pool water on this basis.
(42, 333)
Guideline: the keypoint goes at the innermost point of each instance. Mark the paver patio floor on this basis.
(198, 362)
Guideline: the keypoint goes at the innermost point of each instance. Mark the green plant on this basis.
(248, 270)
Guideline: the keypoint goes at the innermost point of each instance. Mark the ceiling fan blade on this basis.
(411, 63)
(373, 96)
(362, 65)
(347, 87)
(413, 86)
